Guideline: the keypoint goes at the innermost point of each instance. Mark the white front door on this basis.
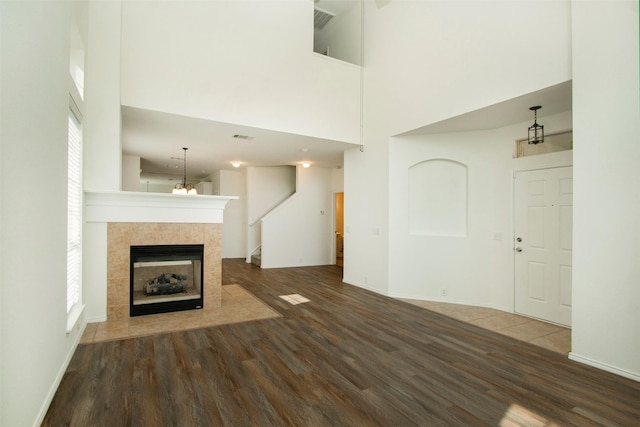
(543, 243)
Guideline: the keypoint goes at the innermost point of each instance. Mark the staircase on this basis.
(256, 257)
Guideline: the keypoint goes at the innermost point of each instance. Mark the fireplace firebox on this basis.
(166, 278)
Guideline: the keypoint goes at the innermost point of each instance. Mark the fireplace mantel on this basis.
(131, 206)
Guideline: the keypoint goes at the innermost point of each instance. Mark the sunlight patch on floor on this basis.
(517, 415)
(294, 299)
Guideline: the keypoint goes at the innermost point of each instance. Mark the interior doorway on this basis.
(339, 228)
(543, 215)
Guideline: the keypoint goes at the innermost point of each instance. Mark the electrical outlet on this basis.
(443, 292)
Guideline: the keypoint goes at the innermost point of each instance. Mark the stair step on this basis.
(256, 259)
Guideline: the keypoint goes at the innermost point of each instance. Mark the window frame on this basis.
(75, 203)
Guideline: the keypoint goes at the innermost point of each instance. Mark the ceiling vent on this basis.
(238, 136)
(321, 17)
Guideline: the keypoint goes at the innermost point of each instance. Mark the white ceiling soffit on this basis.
(158, 137)
(321, 17)
(554, 100)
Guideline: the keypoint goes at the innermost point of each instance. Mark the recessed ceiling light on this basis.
(235, 164)
(306, 164)
(305, 150)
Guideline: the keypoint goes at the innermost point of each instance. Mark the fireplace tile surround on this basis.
(121, 236)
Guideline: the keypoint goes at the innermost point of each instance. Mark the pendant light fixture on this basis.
(183, 187)
(536, 131)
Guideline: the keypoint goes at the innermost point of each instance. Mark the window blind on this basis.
(74, 213)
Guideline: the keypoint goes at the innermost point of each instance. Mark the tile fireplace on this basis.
(122, 237)
(130, 219)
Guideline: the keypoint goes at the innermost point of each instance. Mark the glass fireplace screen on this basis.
(165, 278)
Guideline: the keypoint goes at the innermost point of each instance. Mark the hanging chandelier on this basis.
(183, 187)
(536, 131)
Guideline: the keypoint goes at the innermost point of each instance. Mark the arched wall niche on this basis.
(438, 198)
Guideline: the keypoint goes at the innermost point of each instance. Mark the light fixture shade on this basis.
(536, 131)
(184, 187)
(536, 134)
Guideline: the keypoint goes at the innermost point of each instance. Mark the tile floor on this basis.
(238, 305)
(552, 337)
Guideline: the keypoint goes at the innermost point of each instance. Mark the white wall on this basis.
(131, 173)
(154, 188)
(94, 265)
(34, 345)
(337, 180)
(266, 188)
(365, 217)
(432, 60)
(244, 62)
(234, 229)
(299, 231)
(102, 149)
(606, 295)
(475, 268)
(101, 143)
(429, 61)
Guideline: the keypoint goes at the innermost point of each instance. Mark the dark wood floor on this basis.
(346, 358)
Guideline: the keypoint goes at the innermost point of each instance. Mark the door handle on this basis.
(518, 249)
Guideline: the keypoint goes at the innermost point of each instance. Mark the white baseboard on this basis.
(413, 297)
(363, 286)
(56, 383)
(603, 366)
(97, 319)
(452, 301)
